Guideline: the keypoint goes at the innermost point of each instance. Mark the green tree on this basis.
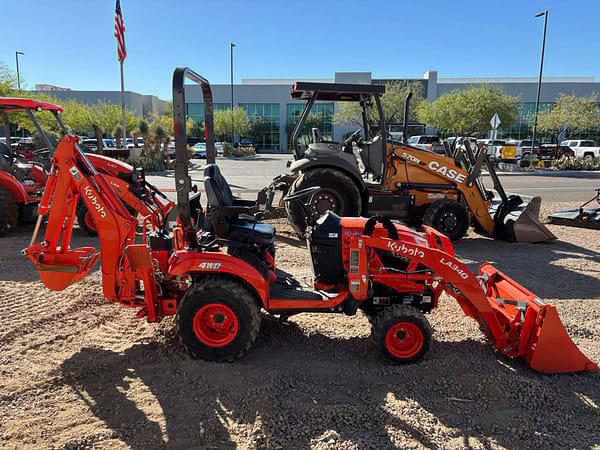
(77, 117)
(257, 128)
(572, 114)
(305, 137)
(392, 101)
(223, 120)
(118, 135)
(467, 112)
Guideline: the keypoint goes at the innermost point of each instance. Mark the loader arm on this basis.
(72, 177)
(517, 322)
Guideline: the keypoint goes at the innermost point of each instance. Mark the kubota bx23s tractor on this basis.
(372, 174)
(217, 278)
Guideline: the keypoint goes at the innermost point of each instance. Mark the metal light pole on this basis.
(18, 73)
(231, 45)
(539, 86)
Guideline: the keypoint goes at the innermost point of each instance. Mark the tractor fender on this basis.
(218, 263)
(332, 162)
(12, 185)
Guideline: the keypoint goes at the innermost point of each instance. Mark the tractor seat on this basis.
(227, 215)
(260, 233)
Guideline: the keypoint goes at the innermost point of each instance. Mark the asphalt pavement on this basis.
(248, 175)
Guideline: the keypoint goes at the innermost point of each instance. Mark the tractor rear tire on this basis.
(338, 194)
(9, 213)
(449, 217)
(85, 220)
(28, 213)
(402, 334)
(218, 319)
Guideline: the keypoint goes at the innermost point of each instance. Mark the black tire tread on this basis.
(432, 211)
(237, 290)
(393, 313)
(314, 177)
(81, 212)
(9, 213)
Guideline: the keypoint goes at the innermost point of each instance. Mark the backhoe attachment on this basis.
(73, 177)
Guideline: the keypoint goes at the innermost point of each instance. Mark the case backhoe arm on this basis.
(72, 176)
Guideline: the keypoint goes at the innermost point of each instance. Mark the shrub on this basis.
(148, 163)
(577, 164)
(240, 152)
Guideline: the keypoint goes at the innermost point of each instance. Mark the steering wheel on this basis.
(302, 193)
(354, 137)
(389, 227)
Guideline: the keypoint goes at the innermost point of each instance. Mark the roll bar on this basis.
(183, 182)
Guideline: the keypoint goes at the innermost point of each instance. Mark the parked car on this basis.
(219, 147)
(171, 149)
(427, 142)
(130, 144)
(472, 140)
(199, 150)
(524, 149)
(89, 145)
(109, 143)
(246, 142)
(554, 151)
(583, 148)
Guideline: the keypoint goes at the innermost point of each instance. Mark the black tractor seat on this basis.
(229, 217)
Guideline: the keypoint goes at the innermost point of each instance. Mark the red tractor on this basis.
(217, 278)
(21, 181)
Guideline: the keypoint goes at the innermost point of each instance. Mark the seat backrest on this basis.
(372, 156)
(5, 157)
(218, 195)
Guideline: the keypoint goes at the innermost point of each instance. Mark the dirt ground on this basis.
(77, 372)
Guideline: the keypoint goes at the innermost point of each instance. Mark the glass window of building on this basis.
(321, 116)
(264, 124)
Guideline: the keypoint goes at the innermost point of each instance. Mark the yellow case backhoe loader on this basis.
(371, 174)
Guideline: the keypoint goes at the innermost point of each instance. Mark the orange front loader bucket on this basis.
(533, 329)
(58, 271)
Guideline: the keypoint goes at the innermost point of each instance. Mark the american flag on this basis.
(120, 32)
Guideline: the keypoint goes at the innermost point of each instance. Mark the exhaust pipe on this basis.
(405, 118)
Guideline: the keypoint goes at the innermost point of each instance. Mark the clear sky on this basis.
(70, 42)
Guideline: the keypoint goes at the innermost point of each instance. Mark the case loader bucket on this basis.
(517, 220)
(534, 330)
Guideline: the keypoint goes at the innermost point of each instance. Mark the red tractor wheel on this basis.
(9, 212)
(218, 319)
(402, 333)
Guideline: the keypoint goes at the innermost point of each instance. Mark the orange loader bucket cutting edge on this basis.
(539, 335)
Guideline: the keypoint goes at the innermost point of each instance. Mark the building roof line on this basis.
(517, 80)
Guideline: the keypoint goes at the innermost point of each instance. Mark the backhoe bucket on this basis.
(61, 270)
(534, 330)
(517, 220)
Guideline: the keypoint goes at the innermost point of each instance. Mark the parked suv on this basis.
(427, 142)
(583, 148)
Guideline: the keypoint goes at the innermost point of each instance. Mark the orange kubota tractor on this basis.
(215, 279)
(371, 173)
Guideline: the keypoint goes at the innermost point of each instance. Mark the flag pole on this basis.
(124, 134)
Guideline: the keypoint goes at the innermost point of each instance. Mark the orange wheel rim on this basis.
(404, 340)
(215, 325)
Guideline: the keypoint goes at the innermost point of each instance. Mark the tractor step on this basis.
(285, 291)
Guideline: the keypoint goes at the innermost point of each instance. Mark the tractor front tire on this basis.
(449, 217)
(218, 319)
(402, 334)
(338, 194)
(9, 213)
(28, 213)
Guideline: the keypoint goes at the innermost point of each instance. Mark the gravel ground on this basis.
(77, 372)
